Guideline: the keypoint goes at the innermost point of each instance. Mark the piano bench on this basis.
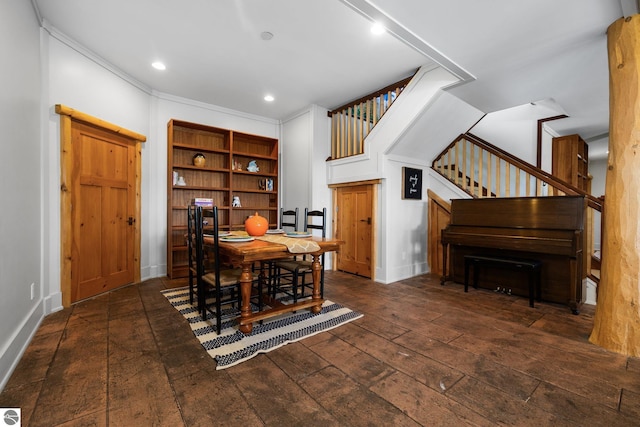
(532, 266)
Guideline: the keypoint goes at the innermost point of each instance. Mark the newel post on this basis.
(617, 319)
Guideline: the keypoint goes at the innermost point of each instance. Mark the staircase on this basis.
(484, 170)
(352, 122)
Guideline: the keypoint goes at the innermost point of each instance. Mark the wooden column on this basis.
(617, 319)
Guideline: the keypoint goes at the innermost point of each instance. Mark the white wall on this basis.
(546, 152)
(320, 151)
(20, 171)
(295, 163)
(515, 129)
(404, 225)
(598, 169)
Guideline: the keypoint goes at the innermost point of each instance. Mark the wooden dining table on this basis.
(246, 254)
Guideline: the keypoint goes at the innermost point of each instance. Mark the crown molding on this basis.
(212, 107)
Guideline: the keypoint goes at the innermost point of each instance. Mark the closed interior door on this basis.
(102, 211)
(354, 227)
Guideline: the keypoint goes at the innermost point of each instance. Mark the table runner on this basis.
(294, 245)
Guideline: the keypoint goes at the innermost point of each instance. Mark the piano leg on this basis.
(576, 280)
(445, 249)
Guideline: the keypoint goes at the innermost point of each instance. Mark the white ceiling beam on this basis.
(374, 14)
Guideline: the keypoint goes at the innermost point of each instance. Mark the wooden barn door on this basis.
(100, 210)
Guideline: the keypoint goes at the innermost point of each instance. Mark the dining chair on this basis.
(289, 219)
(310, 224)
(291, 274)
(212, 284)
(288, 223)
(191, 252)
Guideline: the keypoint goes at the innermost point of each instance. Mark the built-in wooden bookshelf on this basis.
(223, 177)
(570, 161)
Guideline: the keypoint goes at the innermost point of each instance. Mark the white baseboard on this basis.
(53, 303)
(19, 342)
(153, 271)
(591, 292)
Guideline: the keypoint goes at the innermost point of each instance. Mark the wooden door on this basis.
(102, 214)
(354, 226)
(107, 171)
(439, 217)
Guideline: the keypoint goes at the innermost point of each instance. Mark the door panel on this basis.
(103, 200)
(354, 224)
(88, 232)
(439, 217)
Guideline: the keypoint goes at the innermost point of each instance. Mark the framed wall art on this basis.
(411, 183)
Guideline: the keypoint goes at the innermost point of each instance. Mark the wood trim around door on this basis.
(67, 116)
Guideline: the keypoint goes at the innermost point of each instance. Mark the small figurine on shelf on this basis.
(181, 181)
(236, 202)
(253, 166)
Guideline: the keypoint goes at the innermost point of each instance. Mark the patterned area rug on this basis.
(232, 346)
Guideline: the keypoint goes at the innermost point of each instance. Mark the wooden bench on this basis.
(533, 267)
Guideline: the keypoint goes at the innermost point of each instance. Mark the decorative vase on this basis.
(199, 160)
(256, 225)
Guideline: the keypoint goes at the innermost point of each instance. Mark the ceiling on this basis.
(507, 53)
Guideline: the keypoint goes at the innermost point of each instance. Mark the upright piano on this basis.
(547, 229)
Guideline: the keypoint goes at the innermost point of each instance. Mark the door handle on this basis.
(131, 220)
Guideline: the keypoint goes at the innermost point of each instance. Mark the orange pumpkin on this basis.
(256, 225)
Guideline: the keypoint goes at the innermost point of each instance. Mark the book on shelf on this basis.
(202, 201)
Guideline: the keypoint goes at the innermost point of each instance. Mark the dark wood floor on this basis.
(423, 354)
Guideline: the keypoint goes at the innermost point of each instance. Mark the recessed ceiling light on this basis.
(159, 66)
(266, 35)
(377, 28)
(269, 98)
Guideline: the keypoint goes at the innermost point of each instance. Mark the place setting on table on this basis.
(228, 236)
